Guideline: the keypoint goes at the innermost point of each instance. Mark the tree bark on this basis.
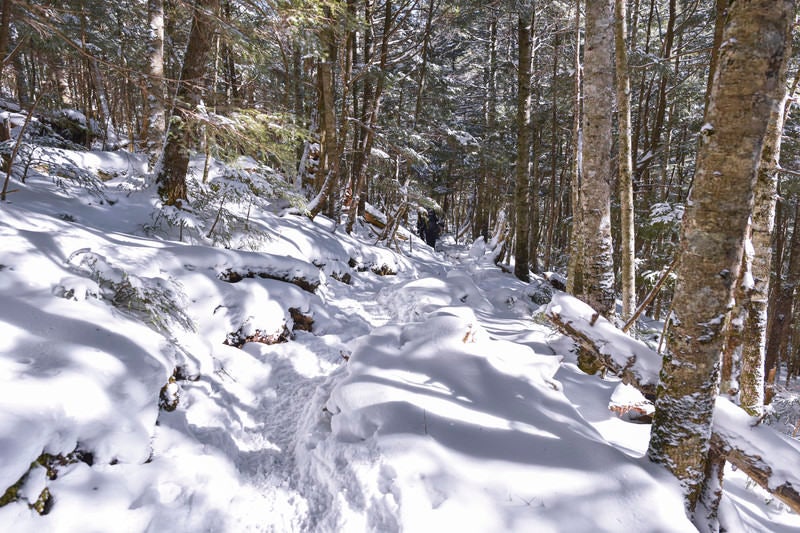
(155, 114)
(522, 184)
(5, 27)
(625, 163)
(553, 213)
(426, 42)
(171, 176)
(598, 98)
(721, 12)
(754, 328)
(574, 268)
(746, 88)
(782, 308)
(485, 199)
(328, 175)
(372, 109)
(759, 451)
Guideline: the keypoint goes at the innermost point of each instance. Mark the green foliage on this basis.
(219, 209)
(269, 138)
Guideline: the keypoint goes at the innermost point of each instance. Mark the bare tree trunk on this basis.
(523, 175)
(329, 157)
(5, 27)
(326, 87)
(155, 114)
(23, 87)
(426, 40)
(782, 310)
(666, 55)
(754, 305)
(171, 176)
(625, 163)
(372, 109)
(598, 98)
(747, 86)
(574, 268)
(552, 216)
(721, 11)
(484, 208)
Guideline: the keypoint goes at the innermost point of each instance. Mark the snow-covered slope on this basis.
(132, 397)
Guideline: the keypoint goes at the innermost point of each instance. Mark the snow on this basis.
(740, 428)
(437, 398)
(622, 349)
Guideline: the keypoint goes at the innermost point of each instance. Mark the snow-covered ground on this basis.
(435, 398)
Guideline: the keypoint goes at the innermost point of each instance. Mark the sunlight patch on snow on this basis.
(424, 400)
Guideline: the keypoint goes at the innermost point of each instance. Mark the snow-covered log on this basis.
(604, 348)
(766, 456)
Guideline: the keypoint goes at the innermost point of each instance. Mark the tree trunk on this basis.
(171, 176)
(721, 12)
(746, 88)
(574, 268)
(598, 98)
(5, 27)
(553, 212)
(155, 114)
(666, 55)
(625, 163)
(328, 174)
(754, 331)
(737, 437)
(372, 109)
(522, 188)
(426, 40)
(23, 88)
(490, 120)
(781, 307)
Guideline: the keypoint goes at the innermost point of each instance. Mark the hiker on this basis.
(422, 223)
(433, 229)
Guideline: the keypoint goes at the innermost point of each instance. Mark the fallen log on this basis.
(307, 283)
(602, 347)
(769, 458)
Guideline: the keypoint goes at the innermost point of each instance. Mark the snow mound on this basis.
(436, 426)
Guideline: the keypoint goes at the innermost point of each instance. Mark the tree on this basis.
(781, 305)
(574, 267)
(625, 162)
(757, 285)
(171, 176)
(5, 27)
(330, 156)
(745, 91)
(597, 268)
(371, 107)
(155, 117)
(522, 198)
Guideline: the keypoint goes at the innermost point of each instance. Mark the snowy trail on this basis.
(272, 390)
(433, 399)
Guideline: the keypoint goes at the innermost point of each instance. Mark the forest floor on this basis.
(429, 392)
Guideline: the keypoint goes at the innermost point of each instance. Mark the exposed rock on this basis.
(51, 463)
